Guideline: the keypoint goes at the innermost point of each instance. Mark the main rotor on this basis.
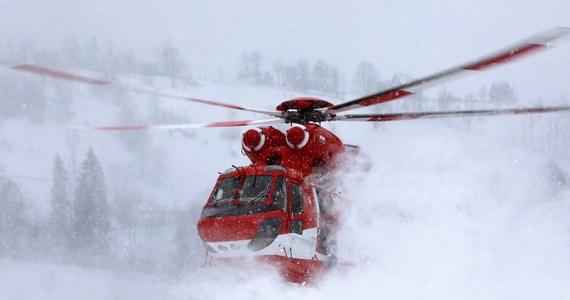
(313, 110)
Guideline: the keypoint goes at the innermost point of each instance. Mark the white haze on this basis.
(412, 37)
(443, 214)
(448, 211)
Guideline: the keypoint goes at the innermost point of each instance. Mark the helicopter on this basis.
(282, 209)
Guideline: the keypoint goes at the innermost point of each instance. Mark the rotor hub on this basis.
(303, 104)
(305, 110)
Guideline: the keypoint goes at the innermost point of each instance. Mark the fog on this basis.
(410, 37)
(444, 214)
(466, 208)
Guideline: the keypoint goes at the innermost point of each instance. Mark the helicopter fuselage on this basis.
(273, 209)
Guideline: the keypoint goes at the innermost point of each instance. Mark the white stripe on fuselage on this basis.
(292, 245)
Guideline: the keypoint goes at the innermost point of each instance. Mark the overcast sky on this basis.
(414, 37)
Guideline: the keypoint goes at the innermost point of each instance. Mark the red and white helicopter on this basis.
(278, 209)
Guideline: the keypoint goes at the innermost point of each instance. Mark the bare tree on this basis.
(366, 78)
(250, 69)
(169, 61)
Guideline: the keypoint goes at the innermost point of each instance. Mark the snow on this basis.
(444, 213)
(461, 209)
(34, 280)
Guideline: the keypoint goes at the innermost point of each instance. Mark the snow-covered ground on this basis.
(35, 280)
(462, 209)
(443, 214)
(447, 211)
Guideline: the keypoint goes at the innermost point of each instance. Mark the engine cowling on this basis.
(253, 140)
(311, 146)
(264, 145)
(302, 147)
(297, 136)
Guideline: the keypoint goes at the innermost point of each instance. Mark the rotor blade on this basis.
(198, 100)
(58, 74)
(448, 114)
(530, 45)
(183, 126)
(40, 70)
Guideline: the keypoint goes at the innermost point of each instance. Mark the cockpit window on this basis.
(255, 188)
(226, 189)
(279, 196)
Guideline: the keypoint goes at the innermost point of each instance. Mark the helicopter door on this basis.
(326, 221)
(297, 207)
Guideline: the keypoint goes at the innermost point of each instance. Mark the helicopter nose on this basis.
(230, 238)
(231, 228)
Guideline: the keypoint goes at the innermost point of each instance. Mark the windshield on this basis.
(255, 188)
(226, 189)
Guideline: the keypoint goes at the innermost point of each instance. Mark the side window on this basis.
(297, 226)
(297, 199)
(279, 196)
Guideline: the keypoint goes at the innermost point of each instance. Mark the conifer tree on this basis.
(60, 202)
(502, 92)
(90, 223)
(12, 217)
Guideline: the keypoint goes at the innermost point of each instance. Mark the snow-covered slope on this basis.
(447, 211)
(29, 280)
(443, 214)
